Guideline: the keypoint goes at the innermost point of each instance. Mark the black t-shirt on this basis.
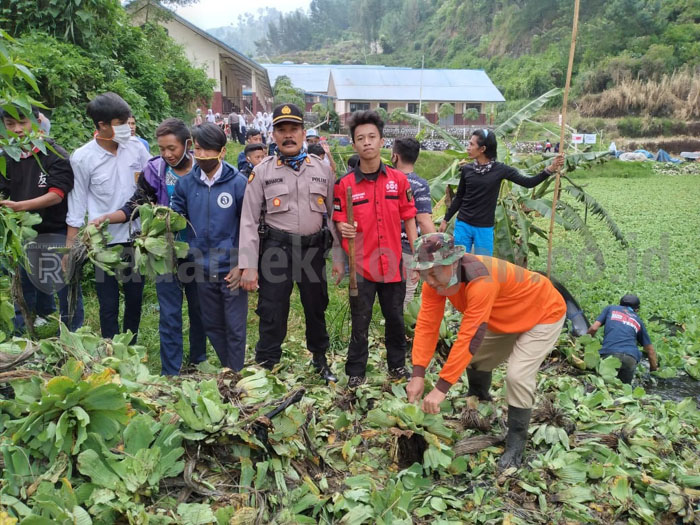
(27, 179)
(477, 193)
(371, 176)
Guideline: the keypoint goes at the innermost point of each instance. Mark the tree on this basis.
(517, 207)
(397, 116)
(470, 114)
(285, 93)
(142, 64)
(17, 89)
(446, 110)
(383, 114)
(81, 22)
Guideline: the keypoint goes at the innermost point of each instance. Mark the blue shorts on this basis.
(468, 235)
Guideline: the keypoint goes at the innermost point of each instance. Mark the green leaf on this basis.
(621, 489)
(91, 465)
(608, 368)
(195, 514)
(438, 504)
(138, 434)
(591, 357)
(358, 515)
(526, 112)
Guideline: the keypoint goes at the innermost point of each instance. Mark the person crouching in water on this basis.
(624, 330)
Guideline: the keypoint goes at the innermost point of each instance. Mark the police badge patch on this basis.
(409, 194)
(251, 177)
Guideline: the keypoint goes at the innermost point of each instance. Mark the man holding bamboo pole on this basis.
(381, 198)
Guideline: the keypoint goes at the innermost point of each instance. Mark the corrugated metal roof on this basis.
(388, 84)
(312, 78)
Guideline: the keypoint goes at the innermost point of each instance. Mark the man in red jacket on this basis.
(508, 313)
(381, 199)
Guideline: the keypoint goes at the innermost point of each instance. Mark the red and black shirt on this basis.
(36, 175)
(379, 206)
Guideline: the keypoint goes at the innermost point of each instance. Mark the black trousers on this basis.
(107, 288)
(391, 296)
(281, 265)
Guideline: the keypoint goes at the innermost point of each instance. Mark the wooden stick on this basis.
(351, 246)
(562, 136)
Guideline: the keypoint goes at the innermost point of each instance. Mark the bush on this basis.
(145, 67)
(630, 127)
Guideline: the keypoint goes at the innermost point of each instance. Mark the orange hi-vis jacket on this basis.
(493, 294)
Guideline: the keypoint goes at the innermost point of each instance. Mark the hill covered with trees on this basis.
(523, 44)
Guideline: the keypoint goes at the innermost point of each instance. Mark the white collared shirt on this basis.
(104, 182)
(210, 182)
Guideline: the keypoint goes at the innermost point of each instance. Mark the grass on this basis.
(658, 215)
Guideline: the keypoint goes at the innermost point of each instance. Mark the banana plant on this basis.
(517, 208)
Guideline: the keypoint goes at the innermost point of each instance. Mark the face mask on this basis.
(122, 134)
(182, 161)
(208, 164)
(454, 279)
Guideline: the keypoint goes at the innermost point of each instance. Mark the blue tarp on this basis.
(663, 156)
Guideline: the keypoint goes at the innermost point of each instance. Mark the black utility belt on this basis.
(305, 241)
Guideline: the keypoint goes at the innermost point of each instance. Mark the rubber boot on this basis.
(479, 384)
(518, 421)
(321, 366)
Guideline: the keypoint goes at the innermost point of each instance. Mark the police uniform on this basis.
(285, 231)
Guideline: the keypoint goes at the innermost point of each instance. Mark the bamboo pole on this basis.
(351, 247)
(562, 135)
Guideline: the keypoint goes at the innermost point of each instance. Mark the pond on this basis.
(675, 388)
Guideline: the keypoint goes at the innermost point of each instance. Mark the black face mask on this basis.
(184, 160)
(208, 164)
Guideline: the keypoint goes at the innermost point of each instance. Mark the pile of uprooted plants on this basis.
(89, 435)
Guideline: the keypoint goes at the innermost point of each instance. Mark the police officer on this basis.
(285, 232)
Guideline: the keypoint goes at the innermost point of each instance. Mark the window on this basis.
(384, 106)
(412, 107)
(470, 105)
(358, 106)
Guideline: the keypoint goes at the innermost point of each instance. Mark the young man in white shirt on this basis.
(106, 170)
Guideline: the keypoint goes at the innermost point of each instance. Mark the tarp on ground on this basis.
(633, 156)
(663, 156)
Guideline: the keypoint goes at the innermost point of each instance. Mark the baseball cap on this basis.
(311, 133)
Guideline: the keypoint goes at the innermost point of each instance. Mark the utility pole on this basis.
(420, 90)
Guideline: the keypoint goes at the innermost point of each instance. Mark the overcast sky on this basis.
(207, 14)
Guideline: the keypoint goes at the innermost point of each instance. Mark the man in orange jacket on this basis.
(508, 313)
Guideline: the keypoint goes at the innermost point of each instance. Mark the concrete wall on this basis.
(199, 50)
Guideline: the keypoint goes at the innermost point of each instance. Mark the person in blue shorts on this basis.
(477, 193)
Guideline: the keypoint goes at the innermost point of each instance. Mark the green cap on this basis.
(435, 248)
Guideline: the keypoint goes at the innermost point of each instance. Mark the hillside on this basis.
(523, 44)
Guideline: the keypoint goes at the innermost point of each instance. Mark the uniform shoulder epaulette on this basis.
(266, 159)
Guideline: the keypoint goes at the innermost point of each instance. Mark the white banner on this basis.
(577, 138)
(590, 138)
